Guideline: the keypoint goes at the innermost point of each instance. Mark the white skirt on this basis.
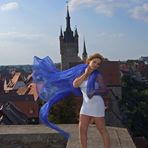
(93, 107)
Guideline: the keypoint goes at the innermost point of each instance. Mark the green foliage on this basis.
(131, 62)
(64, 111)
(134, 105)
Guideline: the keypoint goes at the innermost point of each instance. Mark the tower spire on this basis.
(76, 32)
(67, 18)
(61, 33)
(84, 55)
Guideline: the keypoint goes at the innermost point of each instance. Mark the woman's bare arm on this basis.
(78, 81)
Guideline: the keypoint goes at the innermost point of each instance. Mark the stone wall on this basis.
(30, 136)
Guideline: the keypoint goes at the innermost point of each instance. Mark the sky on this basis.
(117, 29)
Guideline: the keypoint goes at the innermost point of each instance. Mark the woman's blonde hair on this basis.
(94, 56)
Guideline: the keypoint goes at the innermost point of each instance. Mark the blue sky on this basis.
(118, 29)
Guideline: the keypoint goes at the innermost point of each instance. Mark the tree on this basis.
(64, 111)
(134, 105)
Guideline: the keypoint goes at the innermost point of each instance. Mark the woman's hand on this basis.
(78, 81)
(88, 71)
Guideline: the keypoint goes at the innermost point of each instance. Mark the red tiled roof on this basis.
(33, 91)
(22, 90)
(29, 90)
(14, 80)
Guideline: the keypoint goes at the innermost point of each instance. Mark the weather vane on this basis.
(67, 3)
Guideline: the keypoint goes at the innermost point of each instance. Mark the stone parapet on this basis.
(30, 136)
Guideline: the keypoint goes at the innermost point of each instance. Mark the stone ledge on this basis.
(40, 136)
(30, 136)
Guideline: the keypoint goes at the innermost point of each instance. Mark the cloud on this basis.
(140, 12)
(105, 7)
(9, 6)
(18, 35)
(111, 35)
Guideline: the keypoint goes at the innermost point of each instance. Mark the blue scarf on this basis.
(53, 85)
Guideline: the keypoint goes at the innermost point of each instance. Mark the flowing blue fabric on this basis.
(53, 85)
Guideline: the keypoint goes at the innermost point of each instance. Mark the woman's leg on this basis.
(100, 124)
(83, 127)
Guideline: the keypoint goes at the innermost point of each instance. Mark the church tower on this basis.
(84, 54)
(69, 45)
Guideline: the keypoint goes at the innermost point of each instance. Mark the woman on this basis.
(53, 85)
(93, 104)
